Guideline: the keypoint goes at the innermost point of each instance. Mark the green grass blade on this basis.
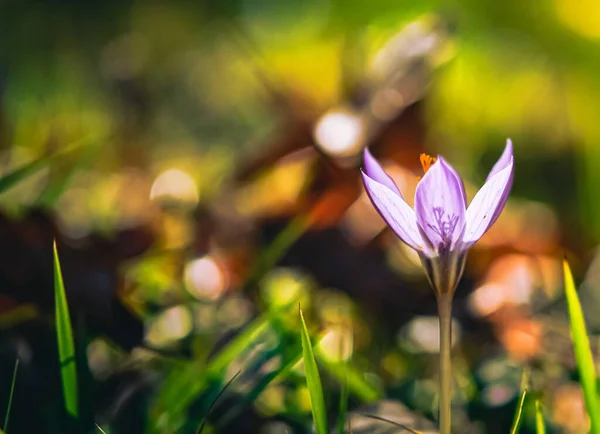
(179, 391)
(57, 185)
(343, 410)
(214, 402)
(583, 354)
(391, 422)
(344, 393)
(66, 347)
(23, 172)
(357, 384)
(187, 382)
(284, 240)
(100, 429)
(313, 380)
(273, 377)
(237, 345)
(13, 178)
(519, 412)
(540, 428)
(349, 376)
(10, 396)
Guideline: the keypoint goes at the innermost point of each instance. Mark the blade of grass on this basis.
(28, 169)
(66, 347)
(10, 396)
(313, 380)
(272, 377)
(214, 402)
(345, 372)
(344, 392)
(13, 178)
(341, 421)
(179, 392)
(583, 354)
(391, 422)
(284, 240)
(519, 412)
(350, 377)
(100, 429)
(238, 345)
(90, 148)
(188, 380)
(540, 428)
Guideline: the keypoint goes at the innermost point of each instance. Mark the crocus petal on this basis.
(504, 160)
(395, 211)
(440, 205)
(374, 171)
(488, 204)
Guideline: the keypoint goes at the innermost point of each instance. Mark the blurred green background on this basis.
(198, 164)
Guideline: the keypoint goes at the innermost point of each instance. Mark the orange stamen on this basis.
(426, 161)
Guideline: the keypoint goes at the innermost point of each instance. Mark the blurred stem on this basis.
(444, 302)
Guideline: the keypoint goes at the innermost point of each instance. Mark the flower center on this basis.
(444, 225)
(426, 161)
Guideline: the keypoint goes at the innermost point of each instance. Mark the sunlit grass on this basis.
(353, 377)
(15, 177)
(66, 346)
(23, 172)
(519, 411)
(57, 187)
(343, 408)
(313, 380)
(540, 427)
(212, 405)
(10, 396)
(396, 424)
(583, 353)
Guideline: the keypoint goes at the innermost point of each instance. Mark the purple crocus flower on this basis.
(441, 228)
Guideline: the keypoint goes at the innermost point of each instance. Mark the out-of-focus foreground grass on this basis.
(197, 163)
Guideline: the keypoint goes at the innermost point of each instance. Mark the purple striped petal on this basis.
(504, 160)
(489, 201)
(374, 171)
(440, 206)
(395, 211)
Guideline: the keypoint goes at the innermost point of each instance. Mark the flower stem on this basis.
(444, 301)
